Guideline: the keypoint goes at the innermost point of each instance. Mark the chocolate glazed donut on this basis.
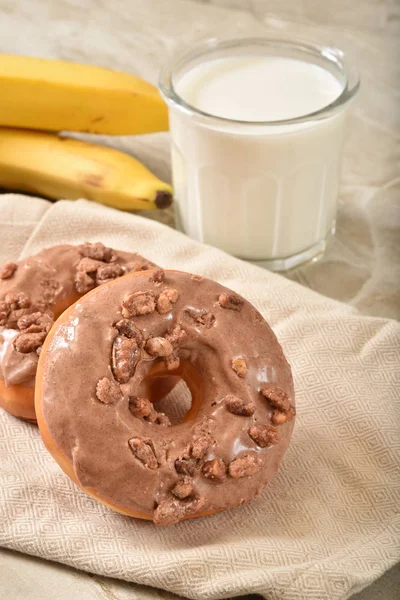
(36, 290)
(99, 419)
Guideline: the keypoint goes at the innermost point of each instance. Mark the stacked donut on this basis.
(34, 292)
(126, 333)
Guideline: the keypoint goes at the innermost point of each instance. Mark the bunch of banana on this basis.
(40, 95)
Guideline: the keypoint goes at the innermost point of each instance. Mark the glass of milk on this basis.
(257, 129)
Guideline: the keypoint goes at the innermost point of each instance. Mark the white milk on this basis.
(259, 191)
(258, 88)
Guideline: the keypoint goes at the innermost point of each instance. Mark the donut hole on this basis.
(177, 394)
(170, 395)
(177, 403)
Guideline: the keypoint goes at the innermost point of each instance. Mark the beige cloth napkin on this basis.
(327, 525)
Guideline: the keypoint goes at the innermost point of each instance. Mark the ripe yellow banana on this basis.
(59, 167)
(55, 95)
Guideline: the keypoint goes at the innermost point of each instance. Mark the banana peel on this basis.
(60, 167)
(55, 95)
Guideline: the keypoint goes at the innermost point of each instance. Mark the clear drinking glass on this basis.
(263, 191)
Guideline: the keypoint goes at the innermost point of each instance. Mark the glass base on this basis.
(312, 254)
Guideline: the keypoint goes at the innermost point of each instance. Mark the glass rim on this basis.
(328, 54)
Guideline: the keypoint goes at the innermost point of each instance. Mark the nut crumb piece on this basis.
(215, 469)
(276, 397)
(172, 362)
(230, 301)
(42, 320)
(279, 417)
(108, 391)
(239, 366)
(33, 329)
(162, 420)
(264, 435)
(129, 330)
(185, 466)
(143, 450)
(8, 270)
(183, 488)
(200, 447)
(280, 401)
(23, 300)
(200, 317)
(144, 409)
(208, 320)
(138, 304)
(197, 277)
(125, 355)
(140, 407)
(4, 312)
(166, 299)
(176, 335)
(157, 276)
(29, 342)
(83, 282)
(159, 346)
(238, 406)
(88, 265)
(50, 289)
(97, 251)
(10, 318)
(245, 466)
(107, 273)
(172, 510)
(11, 301)
(16, 301)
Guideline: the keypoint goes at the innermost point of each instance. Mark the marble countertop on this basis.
(361, 267)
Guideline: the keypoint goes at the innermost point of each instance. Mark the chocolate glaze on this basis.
(58, 265)
(94, 436)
